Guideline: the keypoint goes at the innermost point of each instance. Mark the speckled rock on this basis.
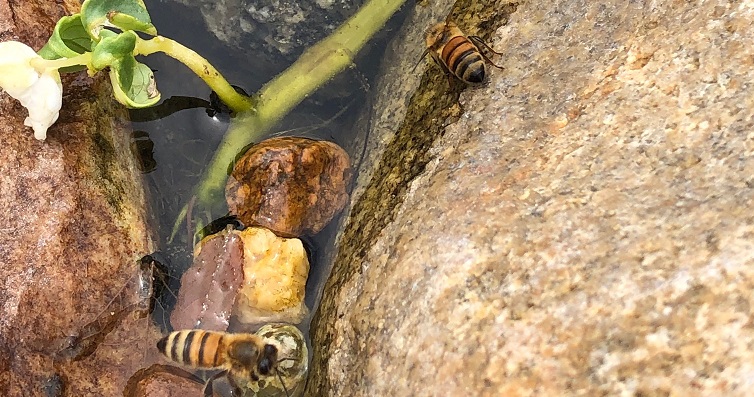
(73, 229)
(583, 228)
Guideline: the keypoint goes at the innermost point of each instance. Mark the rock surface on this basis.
(293, 186)
(251, 275)
(584, 227)
(164, 381)
(73, 230)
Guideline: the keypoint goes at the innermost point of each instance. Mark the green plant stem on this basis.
(313, 69)
(237, 102)
(41, 64)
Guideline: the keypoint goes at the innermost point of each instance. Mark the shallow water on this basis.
(177, 144)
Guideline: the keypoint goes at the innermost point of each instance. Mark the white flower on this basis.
(39, 92)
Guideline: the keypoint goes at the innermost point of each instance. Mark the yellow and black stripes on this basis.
(460, 55)
(196, 348)
(463, 59)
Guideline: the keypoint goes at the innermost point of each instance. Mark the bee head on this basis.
(435, 35)
(269, 359)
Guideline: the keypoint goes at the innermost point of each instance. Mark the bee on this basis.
(457, 53)
(242, 357)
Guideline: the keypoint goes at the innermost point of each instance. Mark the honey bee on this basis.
(242, 357)
(457, 53)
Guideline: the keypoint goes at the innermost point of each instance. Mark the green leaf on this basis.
(112, 48)
(68, 40)
(133, 83)
(121, 14)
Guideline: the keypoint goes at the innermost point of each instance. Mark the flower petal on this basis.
(39, 92)
(44, 100)
(16, 73)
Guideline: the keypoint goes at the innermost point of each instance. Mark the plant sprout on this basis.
(108, 35)
(102, 36)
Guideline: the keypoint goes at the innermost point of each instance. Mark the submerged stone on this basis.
(164, 381)
(209, 287)
(275, 273)
(293, 186)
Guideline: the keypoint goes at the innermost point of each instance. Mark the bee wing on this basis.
(208, 388)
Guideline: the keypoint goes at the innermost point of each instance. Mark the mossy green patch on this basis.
(105, 163)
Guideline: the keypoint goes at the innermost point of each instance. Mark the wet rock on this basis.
(164, 381)
(584, 228)
(120, 353)
(275, 271)
(209, 287)
(292, 186)
(251, 274)
(74, 227)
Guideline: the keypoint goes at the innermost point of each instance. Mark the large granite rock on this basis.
(583, 228)
(74, 227)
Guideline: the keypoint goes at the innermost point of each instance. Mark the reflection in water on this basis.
(167, 107)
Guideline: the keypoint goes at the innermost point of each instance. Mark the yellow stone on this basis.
(275, 272)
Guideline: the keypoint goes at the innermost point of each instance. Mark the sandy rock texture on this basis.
(583, 227)
(275, 271)
(74, 226)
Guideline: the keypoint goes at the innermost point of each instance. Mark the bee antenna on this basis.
(424, 54)
(277, 372)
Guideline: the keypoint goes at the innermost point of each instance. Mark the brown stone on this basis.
(584, 228)
(73, 229)
(164, 381)
(293, 186)
(209, 287)
(252, 275)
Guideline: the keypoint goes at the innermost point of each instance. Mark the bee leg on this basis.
(479, 42)
(236, 389)
(448, 73)
(282, 383)
(208, 389)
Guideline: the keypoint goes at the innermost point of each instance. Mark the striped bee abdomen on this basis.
(196, 348)
(463, 59)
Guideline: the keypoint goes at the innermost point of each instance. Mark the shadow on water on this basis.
(176, 139)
